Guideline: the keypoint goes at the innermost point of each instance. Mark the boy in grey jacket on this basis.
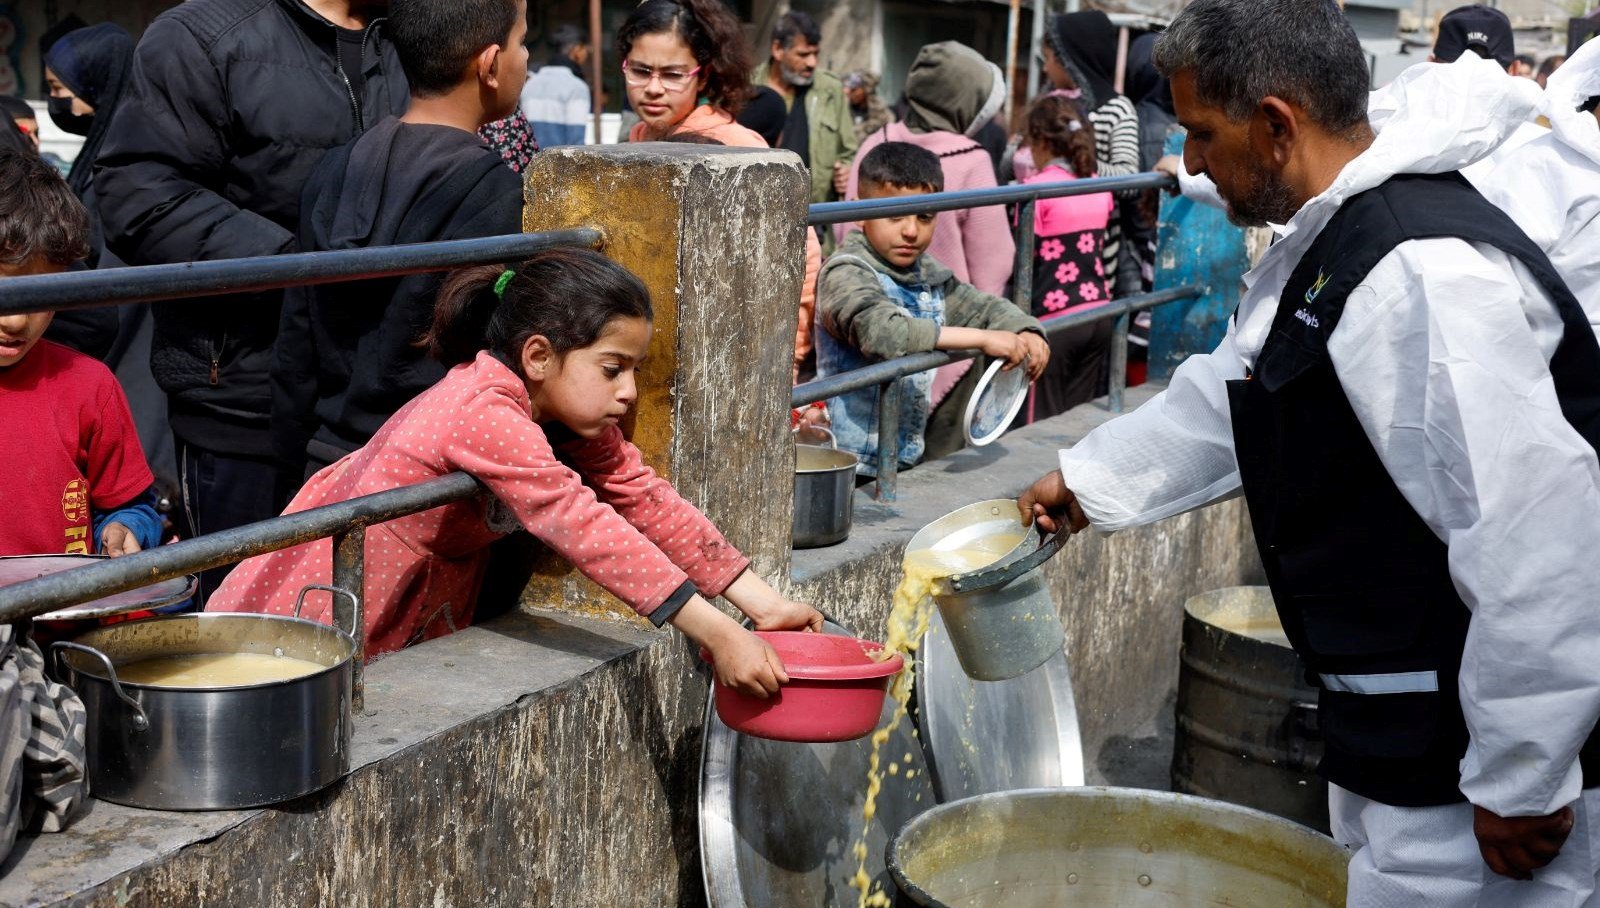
(881, 296)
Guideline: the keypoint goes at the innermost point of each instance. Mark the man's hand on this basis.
(1037, 354)
(1171, 165)
(1052, 504)
(1517, 846)
(841, 178)
(117, 540)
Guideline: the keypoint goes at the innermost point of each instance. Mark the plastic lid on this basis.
(994, 404)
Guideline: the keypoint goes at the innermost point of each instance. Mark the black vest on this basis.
(1361, 583)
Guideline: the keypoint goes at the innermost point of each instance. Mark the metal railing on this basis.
(885, 375)
(346, 522)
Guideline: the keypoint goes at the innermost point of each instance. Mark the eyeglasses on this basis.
(673, 80)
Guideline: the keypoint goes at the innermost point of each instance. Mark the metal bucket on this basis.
(171, 748)
(1112, 846)
(824, 495)
(1246, 719)
(1001, 632)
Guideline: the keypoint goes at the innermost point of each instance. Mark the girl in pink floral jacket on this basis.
(544, 358)
(1068, 274)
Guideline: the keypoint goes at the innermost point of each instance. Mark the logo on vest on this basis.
(1316, 287)
(1308, 318)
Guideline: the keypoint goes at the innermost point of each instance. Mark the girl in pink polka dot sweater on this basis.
(544, 359)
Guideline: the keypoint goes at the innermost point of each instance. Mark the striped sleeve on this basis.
(1116, 139)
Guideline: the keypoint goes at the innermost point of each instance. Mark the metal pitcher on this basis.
(1002, 621)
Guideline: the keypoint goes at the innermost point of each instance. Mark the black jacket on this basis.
(232, 103)
(347, 358)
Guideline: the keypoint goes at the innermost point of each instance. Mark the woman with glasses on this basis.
(687, 72)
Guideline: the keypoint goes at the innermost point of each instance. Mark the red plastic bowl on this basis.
(835, 690)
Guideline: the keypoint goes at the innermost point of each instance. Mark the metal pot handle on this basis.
(140, 721)
(335, 592)
(833, 440)
(996, 577)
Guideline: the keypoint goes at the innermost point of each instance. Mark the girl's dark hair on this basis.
(1051, 121)
(713, 35)
(569, 295)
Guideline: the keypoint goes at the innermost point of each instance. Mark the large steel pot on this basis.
(824, 495)
(170, 748)
(1002, 621)
(1112, 846)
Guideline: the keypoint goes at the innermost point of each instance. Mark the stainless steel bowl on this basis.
(171, 748)
(824, 495)
(1113, 846)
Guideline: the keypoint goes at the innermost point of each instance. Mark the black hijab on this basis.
(1144, 82)
(1086, 45)
(93, 62)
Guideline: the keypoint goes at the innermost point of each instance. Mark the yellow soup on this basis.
(215, 670)
(908, 622)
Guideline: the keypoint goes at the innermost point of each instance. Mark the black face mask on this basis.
(61, 113)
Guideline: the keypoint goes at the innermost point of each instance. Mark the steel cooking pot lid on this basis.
(778, 820)
(156, 596)
(995, 402)
(988, 736)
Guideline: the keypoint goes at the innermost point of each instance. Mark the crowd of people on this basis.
(187, 418)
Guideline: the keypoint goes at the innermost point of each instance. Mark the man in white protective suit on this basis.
(1409, 400)
(1551, 186)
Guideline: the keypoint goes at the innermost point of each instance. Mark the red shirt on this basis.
(67, 446)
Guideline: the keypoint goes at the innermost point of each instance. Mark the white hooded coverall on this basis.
(1443, 353)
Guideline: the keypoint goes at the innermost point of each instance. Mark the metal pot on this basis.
(824, 495)
(1112, 846)
(1002, 621)
(170, 748)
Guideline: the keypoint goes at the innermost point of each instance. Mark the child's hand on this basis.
(746, 663)
(1038, 354)
(117, 540)
(767, 609)
(788, 615)
(1005, 346)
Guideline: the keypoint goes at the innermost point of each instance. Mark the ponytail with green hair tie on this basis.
(502, 281)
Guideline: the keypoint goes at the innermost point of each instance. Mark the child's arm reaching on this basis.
(1025, 348)
(616, 471)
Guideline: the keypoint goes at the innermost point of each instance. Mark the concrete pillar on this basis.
(717, 235)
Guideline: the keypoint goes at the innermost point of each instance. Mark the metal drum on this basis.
(1058, 848)
(1246, 719)
(778, 820)
(986, 736)
(186, 748)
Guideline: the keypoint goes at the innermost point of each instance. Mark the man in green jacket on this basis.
(819, 129)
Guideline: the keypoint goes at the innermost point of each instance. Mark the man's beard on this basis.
(1267, 200)
(794, 78)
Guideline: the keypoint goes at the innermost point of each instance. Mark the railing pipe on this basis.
(841, 212)
(1119, 362)
(183, 280)
(1022, 271)
(888, 439)
(350, 574)
(880, 372)
(32, 598)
